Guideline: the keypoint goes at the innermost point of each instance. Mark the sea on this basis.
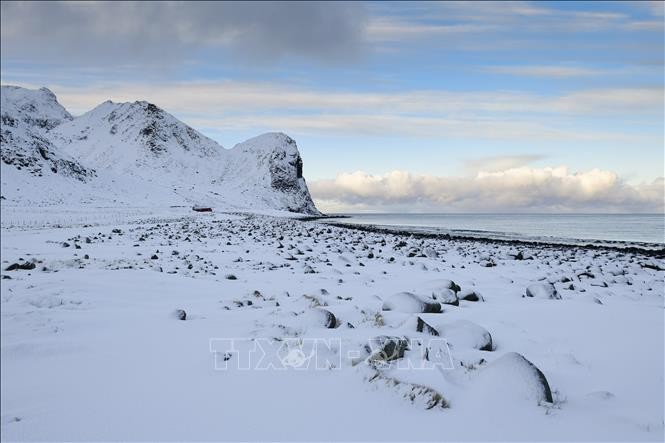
(574, 228)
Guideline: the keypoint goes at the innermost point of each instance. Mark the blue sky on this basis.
(446, 94)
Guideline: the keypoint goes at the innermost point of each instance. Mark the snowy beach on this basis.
(531, 342)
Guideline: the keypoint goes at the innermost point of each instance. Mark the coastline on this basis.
(640, 248)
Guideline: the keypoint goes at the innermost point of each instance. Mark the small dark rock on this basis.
(27, 266)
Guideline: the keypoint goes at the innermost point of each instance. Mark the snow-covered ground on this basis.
(93, 347)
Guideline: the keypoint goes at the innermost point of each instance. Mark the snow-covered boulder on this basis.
(417, 324)
(385, 348)
(513, 378)
(412, 303)
(317, 317)
(445, 296)
(470, 295)
(542, 290)
(448, 284)
(464, 334)
(423, 326)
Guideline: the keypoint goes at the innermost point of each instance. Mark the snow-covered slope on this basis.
(144, 156)
(127, 137)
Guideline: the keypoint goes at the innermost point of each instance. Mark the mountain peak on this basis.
(48, 93)
(34, 107)
(27, 118)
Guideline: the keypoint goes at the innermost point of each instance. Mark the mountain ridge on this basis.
(136, 153)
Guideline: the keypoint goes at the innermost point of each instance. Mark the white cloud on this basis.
(475, 19)
(504, 115)
(233, 96)
(385, 29)
(500, 162)
(545, 71)
(516, 189)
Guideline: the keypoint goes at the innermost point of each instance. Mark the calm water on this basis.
(648, 228)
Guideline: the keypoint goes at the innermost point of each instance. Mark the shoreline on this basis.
(630, 248)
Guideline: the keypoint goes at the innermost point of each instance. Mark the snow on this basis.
(408, 302)
(137, 155)
(542, 290)
(92, 349)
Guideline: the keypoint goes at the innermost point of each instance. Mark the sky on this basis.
(409, 107)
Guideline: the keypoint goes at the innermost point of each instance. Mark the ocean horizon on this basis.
(637, 228)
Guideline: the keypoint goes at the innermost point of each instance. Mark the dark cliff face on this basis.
(286, 176)
(285, 173)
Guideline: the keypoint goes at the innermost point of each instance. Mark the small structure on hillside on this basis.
(201, 208)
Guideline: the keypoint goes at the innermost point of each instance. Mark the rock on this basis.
(27, 266)
(542, 290)
(653, 264)
(320, 317)
(231, 277)
(153, 257)
(449, 284)
(180, 314)
(422, 326)
(464, 334)
(385, 348)
(445, 296)
(408, 302)
(431, 252)
(470, 295)
(601, 284)
(514, 377)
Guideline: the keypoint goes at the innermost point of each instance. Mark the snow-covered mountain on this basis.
(138, 154)
(27, 116)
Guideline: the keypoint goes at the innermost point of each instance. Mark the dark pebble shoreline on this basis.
(402, 231)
